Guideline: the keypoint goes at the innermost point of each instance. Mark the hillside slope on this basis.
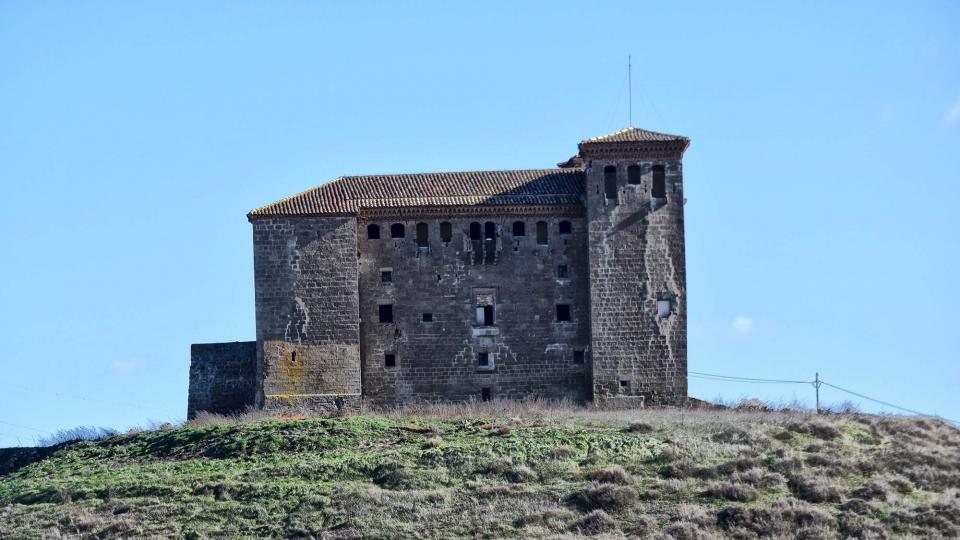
(527, 473)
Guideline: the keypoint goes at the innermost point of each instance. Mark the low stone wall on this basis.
(222, 377)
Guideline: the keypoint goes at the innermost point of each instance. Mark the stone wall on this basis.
(308, 354)
(528, 351)
(222, 377)
(636, 260)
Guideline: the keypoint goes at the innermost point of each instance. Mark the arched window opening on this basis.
(423, 235)
(542, 233)
(475, 231)
(633, 174)
(566, 228)
(373, 232)
(489, 231)
(397, 230)
(519, 228)
(446, 232)
(659, 190)
(610, 181)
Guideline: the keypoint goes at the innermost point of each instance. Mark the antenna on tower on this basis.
(630, 88)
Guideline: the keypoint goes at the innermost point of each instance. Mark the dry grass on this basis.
(501, 469)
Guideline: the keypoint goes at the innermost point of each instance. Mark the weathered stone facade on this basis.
(222, 377)
(388, 290)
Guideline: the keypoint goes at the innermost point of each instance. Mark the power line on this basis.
(26, 427)
(815, 383)
(911, 411)
(745, 379)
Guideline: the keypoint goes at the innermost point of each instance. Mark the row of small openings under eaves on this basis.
(476, 231)
(386, 274)
(658, 184)
(485, 314)
(485, 359)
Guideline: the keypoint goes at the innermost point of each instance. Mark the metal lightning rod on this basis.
(630, 87)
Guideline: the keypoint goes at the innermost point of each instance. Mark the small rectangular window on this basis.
(579, 357)
(483, 359)
(624, 387)
(427, 317)
(386, 313)
(386, 276)
(663, 308)
(485, 394)
(563, 312)
(562, 271)
(389, 360)
(485, 301)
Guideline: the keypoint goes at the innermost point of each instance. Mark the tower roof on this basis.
(636, 143)
(632, 134)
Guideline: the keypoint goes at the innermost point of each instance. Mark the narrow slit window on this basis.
(385, 312)
(446, 232)
(293, 357)
(389, 360)
(566, 229)
(634, 175)
(610, 181)
(519, 228)
(397, 230)
(542, 233)
(423, 235)
(373, 232)
(659, 189)
(563, 312)
(485, 394)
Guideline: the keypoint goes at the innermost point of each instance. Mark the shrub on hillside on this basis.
(611, 475)
(815, 489)
(731, 491)
(608, 497)
(596, 522)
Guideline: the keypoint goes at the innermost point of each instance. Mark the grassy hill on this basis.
(498, 471)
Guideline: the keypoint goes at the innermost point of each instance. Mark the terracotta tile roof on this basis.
(348, 194)
(633, 134)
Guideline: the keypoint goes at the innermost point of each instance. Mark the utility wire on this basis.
(26, 427)
(911, 411)
(746, 379)
(734, 378)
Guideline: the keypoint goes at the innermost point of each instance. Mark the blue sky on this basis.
(822, 229)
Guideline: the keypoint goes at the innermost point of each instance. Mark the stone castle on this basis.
(393, 289)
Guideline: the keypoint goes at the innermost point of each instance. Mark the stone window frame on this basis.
(388, 274)
(563, 271)
(568, 312)
(480, 318)
(390, 360)
(491, 360)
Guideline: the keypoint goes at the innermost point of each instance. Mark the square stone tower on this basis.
(638, 292)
